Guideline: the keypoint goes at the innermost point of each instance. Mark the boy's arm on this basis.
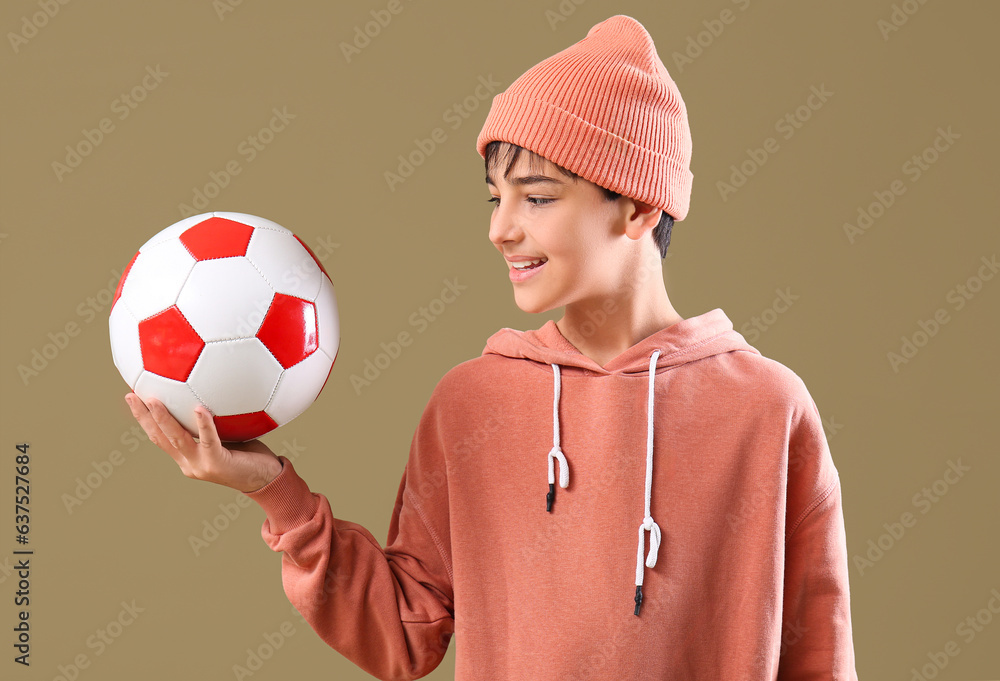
(390, 611)
(817, 640)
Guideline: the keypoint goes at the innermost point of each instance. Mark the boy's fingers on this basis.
(174, 432)
(208, 436)
(141, 413)
(149, 424)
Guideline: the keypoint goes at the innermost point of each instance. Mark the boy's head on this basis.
(605, 109)
(604, 119)
(592, 244)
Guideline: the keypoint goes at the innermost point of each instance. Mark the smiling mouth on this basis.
(529, 264)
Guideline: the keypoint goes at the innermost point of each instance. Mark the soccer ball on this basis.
(231, 311)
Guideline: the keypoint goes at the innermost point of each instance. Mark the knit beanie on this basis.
(606, 109)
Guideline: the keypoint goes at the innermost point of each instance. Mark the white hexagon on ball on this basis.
(297, 383)
(285, 264)
(176, 396)
(126, 352)
(235, 377)
(156, 278)
(329, 320)
(225, 298)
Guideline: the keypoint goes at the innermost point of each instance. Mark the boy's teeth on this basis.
(528, 263)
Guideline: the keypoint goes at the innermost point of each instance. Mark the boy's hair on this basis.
(498, 151)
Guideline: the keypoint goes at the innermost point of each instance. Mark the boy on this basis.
(740, 555)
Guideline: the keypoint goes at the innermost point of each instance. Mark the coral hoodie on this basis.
(675, 514)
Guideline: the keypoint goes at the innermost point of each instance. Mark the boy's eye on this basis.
(530, 199)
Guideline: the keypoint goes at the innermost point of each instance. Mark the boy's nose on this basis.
(502, 227)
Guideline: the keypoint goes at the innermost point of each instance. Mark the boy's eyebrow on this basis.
(526, 179)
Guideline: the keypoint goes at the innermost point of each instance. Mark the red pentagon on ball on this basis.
(217, 238)
(121, 282)
(235, 427)
(289, 329)
(315, 259)
(169, 345)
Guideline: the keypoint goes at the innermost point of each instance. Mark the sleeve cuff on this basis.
(286, 500)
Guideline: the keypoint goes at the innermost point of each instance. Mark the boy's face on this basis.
(540, 213)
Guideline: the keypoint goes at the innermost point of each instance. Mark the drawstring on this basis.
(556, 452)
(647, 522)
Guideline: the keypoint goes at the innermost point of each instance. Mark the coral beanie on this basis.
(606, 109)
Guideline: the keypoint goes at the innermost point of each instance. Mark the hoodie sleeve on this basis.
(390, 611)
(816, 641)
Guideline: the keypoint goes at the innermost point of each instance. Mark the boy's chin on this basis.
(527, 304)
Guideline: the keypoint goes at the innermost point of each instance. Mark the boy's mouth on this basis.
(527, 269)
(528, 264)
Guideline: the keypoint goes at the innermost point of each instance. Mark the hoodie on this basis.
(534, 477)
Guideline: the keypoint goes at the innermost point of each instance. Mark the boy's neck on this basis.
(632, 319)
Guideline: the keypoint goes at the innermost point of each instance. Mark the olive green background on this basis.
(64, 238)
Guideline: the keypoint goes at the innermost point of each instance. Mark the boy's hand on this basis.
(247, 469)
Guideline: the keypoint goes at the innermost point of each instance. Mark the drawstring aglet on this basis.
(638, 598)
(550, 496)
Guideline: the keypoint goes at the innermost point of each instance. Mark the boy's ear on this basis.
(642, 218)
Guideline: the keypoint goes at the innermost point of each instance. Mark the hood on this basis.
(690, 339)
(710, 333)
